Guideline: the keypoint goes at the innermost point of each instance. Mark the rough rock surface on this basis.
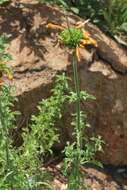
(36, 60)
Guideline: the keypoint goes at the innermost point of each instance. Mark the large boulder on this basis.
(36, 61)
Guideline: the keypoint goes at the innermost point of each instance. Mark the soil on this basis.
(107, 178)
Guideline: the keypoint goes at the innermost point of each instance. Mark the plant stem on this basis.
(77, 90)
(78, 126)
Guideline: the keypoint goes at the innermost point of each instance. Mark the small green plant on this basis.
(50, 110)
(42, 135)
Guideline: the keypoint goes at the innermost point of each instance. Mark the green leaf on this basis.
(75, 10)
(123, 27)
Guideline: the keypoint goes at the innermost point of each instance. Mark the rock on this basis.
(108, 114)
(95, 178)
(36, 61)
(109, 50)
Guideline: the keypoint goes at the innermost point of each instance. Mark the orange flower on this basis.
(78, 53)
(54, 26)
(86, 41)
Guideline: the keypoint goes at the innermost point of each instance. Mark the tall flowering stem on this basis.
(75, 37)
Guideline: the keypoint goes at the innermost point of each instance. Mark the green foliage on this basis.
(72, 97)
(88, 8)
(42, 128)
(110, 15)
(3, 45)
(82, 151)
(7, 118)
(3, 1)
(42, 135)
(71, 37)
(20, 168)
(115, 15)
(4, 58)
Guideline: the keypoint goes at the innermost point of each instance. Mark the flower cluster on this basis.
(74, 37)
